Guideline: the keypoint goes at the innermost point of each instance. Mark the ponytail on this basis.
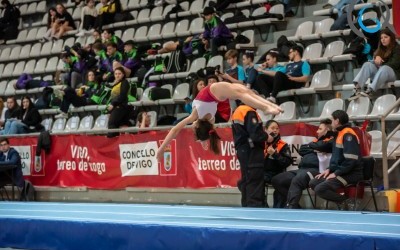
(205, 131)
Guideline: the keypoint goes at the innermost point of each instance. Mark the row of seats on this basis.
(393, 148)
(356, 7)
(359, 109)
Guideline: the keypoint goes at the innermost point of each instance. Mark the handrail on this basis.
(385, 139)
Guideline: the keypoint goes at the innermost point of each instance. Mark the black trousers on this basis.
(271, 86)
(290, 185)
(71, 97)
(119, 116)
(326, 189)
(89, 22)
(251, 185)
(216, 42)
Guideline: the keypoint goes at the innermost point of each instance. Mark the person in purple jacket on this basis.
(132, 61)
(215, 30)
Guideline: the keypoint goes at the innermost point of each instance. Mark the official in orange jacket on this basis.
(345, 166)
(277, 158)
(249, 138)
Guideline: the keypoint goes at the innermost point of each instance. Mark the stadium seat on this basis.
(393, 146)
(46, 48)
(23, 9)
(46, 123)
(327, 110)
(289, 114)
(8, 70)
(196, 65)
(19, 68)
(182, 28)
(376, 143)
(359, 108)
(31, 8)
(312, 51)
(41, 7)
(141, 34)
(168, 30)
(333, 49)
(227, 15)
(250, 35)
(25, 51)
(5, 54)
(195, 8)
(143, 16)
(180, 93)
(35, 50)
(15, 52)
(153, 118)
(52, 65)
(216, 60)
(86, 123)
(154, 31)
(69, 42)
(31, 36)
(101, 122)
(3, 86)
(303, 29)
(276, 9)
(128, 34)
(264, 117)
(133, 4)
(381, 105)
(72, 124)
(40, 66)
(41, 32)
(10, 90)
(57, 47)
(30, 67)
(156, 14)
(321, 27)
(59, 125)
(321, 81)
(145, 97)
(195, 28)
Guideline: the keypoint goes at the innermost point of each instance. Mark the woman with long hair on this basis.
(205, 107)
(63, 23)
(29, 119)
(383, 69)
(51, 20)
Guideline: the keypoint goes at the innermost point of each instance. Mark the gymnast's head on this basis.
(204, 130)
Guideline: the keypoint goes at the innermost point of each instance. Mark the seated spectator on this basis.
(290, 185)
(108, 36)
(267, 73)
(193, 45)
(143, 120)
(119, 109)
(12, 113)
(10, 156)
(3, 110)
(277, 158)
(297, 75)
(88, 18)
(383, 69)
(345, 166)
(215, 31)
(251, 73)
(287, 4)
(132, 60)
(71, 95)
(112, 55)
(51, 20)
(74, 68)
(107, 12)
(9, 21)
(29, 119)
(223, 113)
(235, 74)
(64, 22)
(25, 81)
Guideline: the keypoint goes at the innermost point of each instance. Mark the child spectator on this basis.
(250, 73)
(51, 20)
(235, 74)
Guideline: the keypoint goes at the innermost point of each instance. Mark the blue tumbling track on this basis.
(40, 225)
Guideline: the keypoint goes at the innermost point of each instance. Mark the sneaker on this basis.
(355, 95)
(271, 99)
(347, 204)
(61, 115)
(368, 93)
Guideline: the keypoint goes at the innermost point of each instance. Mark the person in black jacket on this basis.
(12, 113)
(277, 158)
(9, 22)
(249, 138)
(119, 108)
(63, 23)
(291, 184)
(345, 166)
(9, 156)
(29, 119)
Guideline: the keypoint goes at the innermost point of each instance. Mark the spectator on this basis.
(193, 45)
(3, 110)
(71, 96)
(26, 81)
(132, 60)
(113, 55)
(287, 4)
(215, 31)
(251, 73)
(29, 119)
(9, 22)
(108, 36)
(51, 21)
(64, 22)
(74, 68)
(277, 158)
(9, 156)
(345, 165)
(267, 73)
(297, 74)
(12, 113)
(235, 74)
(119, 109)
(143, 120)
(383, 69)
(107, 12)
(223, 108)
(290, 184)
(88, 18)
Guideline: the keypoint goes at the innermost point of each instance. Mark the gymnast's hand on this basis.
(160, 154)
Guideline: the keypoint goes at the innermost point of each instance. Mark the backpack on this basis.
(360, 48)
(16, 12)
(101, 96)
(158, 93)
(132, 94)
(28, 192)
(176, 62)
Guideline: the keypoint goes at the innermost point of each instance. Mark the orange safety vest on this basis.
(240, 113)
(279, 146)
(339, 138)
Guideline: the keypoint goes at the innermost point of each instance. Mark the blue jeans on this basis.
(17, 127)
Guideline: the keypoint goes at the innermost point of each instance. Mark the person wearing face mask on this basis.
(277, 157)
(290, 185)
(119, 109)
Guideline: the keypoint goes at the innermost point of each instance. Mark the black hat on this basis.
(208, 10)
(129, 42)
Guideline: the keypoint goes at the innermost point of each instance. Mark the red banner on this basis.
(130, 160)
(396, 16)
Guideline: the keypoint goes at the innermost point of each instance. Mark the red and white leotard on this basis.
(205, 103)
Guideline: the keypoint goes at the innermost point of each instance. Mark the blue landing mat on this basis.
(125, 226)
